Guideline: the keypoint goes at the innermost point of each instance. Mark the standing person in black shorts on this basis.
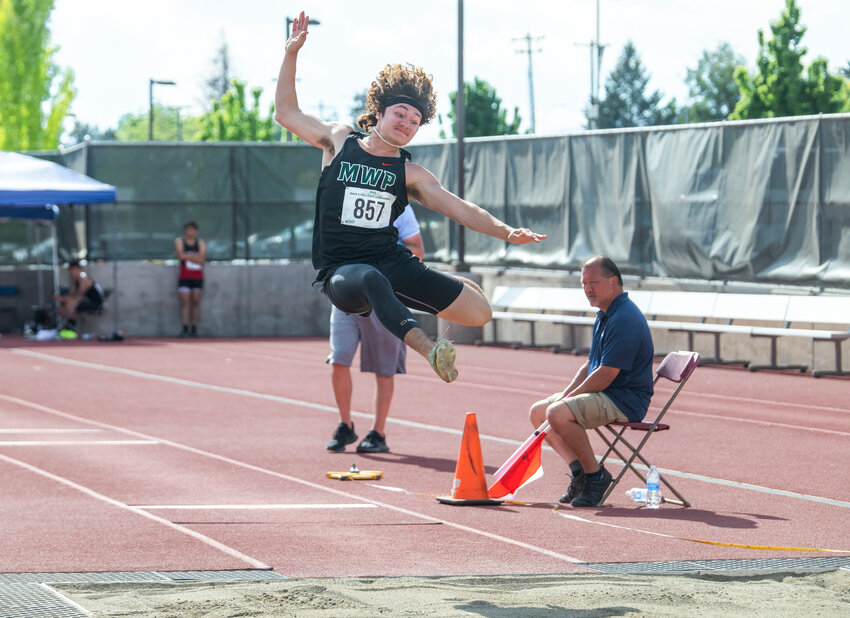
(192, 253)
(365, 184)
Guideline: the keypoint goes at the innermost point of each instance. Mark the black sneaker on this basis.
(575, 488)
(593, 491)
(373, 443)
(342, 436)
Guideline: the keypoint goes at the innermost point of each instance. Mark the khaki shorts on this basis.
(591, 409)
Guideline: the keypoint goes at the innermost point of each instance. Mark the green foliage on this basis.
(230, 120)
(83, 131)
(779, 87)
(483, 112)
(711, 85)
(35, 93)
(169, 125)
(626, 103)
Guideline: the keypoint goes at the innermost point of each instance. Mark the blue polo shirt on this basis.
(621, 339)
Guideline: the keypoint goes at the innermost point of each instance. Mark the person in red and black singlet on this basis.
(364, 186)
(192, 253)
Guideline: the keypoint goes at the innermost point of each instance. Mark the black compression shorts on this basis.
(416, 285)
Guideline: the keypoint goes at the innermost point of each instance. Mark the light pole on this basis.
(289, 20)
(151, 82)
(460, 129)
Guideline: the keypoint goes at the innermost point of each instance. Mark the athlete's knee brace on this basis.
(360, 288)
(390, 310)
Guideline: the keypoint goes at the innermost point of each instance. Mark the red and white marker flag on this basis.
(521, 468)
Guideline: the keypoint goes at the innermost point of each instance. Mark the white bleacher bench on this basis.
(674, 311)
(531, 304)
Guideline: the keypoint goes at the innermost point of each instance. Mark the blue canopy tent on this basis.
(32, 188)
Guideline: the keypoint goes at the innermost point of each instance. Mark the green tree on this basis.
(169, 125)
(219, 80)
(779, 86)
(711, 85)
(35, 93)
(626, 103)
(845, 71)
(483, 112)
(231, 120)
(83, 131)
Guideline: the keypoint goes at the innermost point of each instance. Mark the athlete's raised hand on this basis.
(299, 33)
(523, 236)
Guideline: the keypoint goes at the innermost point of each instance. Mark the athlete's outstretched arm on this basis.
(424, 186)
(286, 111)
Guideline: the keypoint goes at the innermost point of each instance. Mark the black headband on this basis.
(395, 99)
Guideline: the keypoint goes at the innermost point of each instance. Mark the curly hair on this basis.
(397, 79)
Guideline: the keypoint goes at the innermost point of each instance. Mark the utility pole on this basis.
(599, 48)
(596, 51)
(528, 50)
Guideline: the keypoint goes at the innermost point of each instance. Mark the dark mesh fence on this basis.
(761, 201)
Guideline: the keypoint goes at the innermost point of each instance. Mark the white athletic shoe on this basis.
(442, 359)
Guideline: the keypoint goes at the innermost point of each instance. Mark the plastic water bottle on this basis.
(653, 493)
(637, 494)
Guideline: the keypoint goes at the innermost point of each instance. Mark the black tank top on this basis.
(359, 197)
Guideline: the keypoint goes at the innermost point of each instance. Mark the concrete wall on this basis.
(239, 300)
(262, 300)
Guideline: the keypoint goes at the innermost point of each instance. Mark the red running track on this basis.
(170, 455)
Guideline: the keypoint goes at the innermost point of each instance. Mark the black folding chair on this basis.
(676, 367)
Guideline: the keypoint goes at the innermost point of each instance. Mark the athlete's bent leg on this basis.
(358, 288)
(470, 308)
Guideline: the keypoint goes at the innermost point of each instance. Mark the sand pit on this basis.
(773, 595)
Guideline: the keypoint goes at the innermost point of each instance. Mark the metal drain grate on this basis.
(23, 596)
(31, 600)
(695, 566)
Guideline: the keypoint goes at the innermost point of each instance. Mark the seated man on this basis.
(84, 295)
(614, 384)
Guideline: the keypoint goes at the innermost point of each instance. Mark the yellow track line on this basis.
(720, 543)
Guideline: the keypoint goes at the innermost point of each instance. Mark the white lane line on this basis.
(758, 422)
(98, 496)
(751, 487)
(406, 423)
(248, 507)
(560, 379)
(332, 409)
(65, 599)
(286, 477)
(49, 430)
(770, 402)
(75, 442)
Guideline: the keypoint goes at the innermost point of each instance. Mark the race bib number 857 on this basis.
(367, 208)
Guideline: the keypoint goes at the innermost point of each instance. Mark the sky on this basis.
(116, 46)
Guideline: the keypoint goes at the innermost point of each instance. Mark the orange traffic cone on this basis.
(470, 485)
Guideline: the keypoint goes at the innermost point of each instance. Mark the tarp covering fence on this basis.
(765, 201)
